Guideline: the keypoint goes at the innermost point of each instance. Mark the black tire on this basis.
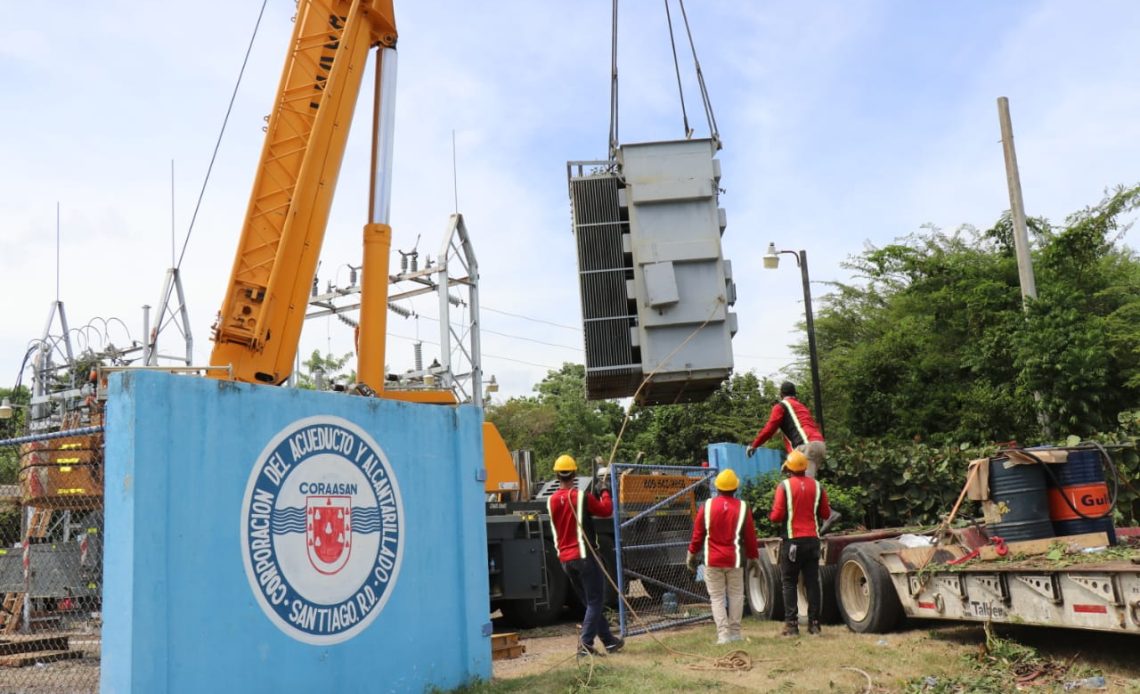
(866, 596)
(528, 614)
(828, 603)
(762, 591)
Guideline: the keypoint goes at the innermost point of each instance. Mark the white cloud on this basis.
(842, 123)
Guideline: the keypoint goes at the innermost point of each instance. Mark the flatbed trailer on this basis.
(872, 581)
(1076, 582)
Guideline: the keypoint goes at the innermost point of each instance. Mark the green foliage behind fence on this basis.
(876, 484)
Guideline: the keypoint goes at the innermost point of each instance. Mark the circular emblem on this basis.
(321, 530)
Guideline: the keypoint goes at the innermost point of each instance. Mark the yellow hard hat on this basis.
(796, 462)
(727, 481)
(565, 463)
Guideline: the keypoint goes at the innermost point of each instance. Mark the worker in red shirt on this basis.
(572, 515)
(800, 431)
(800, 503)
(726, 537)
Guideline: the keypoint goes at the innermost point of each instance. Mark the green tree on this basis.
(559, 419)
(931, 341)
(681, 434)
(330, 368)
(10, 460)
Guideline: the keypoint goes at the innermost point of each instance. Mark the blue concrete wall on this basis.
(725, 456)
(181, 613)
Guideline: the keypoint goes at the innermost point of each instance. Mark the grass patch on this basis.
(1002, 665)
(618, 676)
(927, 657)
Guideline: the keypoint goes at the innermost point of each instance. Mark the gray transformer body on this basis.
(655, 288)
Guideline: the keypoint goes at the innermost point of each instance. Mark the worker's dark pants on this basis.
(586, 578)
(807, 563)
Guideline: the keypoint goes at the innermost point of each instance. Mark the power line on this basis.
(531, 339)
(529, 318)
(485, 354)
(511, 336)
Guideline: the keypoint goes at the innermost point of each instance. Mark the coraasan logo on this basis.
(321, 530)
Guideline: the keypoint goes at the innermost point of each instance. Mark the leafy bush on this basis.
(899, 484)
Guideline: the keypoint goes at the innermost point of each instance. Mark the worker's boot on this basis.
(814, 627)
(791, 629)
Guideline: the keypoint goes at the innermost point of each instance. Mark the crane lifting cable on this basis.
(218, 143)
(706, 102)
(714, 132)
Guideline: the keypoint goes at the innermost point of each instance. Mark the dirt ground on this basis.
(923, 657)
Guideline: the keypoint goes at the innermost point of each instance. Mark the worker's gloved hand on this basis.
(602, 481)
(753, 567)
(750, 451)
(691, 562)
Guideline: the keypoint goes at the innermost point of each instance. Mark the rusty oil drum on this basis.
(1020, 491)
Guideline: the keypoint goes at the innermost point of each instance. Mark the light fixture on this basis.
(771, 262)
(6, 409)
(771, 258)
(492, 385)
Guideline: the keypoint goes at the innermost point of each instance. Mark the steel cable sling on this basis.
(706, 102)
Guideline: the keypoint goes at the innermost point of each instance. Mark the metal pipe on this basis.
(657, 545)
(378, 234)
(32, 438)
(146, 334)
(669, 624)
(617, 548)
(384, 136)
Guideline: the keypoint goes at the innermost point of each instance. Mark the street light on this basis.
(771, 262)
(6, 409)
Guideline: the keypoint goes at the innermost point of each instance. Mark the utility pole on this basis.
(1020, 232)
(1016, 205)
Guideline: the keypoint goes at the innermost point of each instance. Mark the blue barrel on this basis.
(1078, 495)
(1020, 495)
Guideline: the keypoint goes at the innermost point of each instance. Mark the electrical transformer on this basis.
(654, 286)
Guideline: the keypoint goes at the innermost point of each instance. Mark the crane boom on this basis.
(259, 324)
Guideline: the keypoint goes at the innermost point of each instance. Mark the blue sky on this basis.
(843, 123)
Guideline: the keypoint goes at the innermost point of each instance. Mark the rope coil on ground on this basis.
(735, 661)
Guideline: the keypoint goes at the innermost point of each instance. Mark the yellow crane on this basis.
(259, 325)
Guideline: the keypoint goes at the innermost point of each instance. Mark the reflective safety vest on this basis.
(735, 523)
(571, 532)
(572, 521)
(787, 484)
(791, 427)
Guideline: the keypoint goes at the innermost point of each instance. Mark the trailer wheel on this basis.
(762, 591)
(828, 603)
(866, 596)
(527, 614)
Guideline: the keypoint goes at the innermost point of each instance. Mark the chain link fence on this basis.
(653, 522)
(51, 562)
